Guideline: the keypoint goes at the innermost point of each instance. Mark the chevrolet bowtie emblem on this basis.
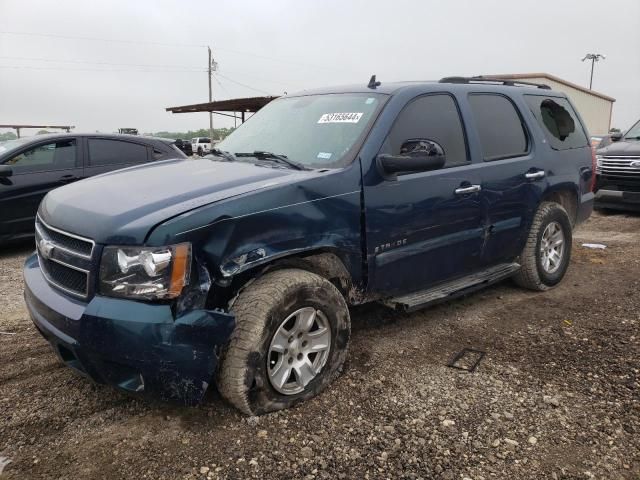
(46, 248)
(635, 164)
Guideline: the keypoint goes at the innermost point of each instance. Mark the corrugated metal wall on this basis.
(595, 111)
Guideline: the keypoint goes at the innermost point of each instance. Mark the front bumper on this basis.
(618, 192)
(138, 347)
(619, 199)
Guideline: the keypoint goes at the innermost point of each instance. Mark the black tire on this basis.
(532, 275)
(199, 151)
(259, 310)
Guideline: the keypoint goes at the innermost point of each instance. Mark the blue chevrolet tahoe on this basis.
(238, 270)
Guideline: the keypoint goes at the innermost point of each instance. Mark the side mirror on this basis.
(5, 171)
(416, 156)
(616, 136)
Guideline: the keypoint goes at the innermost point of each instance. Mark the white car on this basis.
(201, 145)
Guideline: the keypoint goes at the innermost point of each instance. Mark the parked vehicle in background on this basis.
(128, 131)
(201, 145)
(240, 268)
(600, 141)
(32, 166)
(184, 146)
(618, 171)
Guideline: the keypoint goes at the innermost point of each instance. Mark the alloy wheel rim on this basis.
(552, 246)
(299, 349)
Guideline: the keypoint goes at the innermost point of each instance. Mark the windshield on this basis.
(316, 131)
(633, 133)
(10, 145)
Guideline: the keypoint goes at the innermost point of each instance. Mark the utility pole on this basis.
(210, 96)
(594, 57)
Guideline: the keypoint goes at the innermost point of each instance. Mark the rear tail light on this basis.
(593, 168)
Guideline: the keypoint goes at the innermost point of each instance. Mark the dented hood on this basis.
(122, 207)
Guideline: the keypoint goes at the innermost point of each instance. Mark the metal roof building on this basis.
(227, 108)
(594, 107)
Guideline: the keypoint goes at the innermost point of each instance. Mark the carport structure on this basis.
(227, 108)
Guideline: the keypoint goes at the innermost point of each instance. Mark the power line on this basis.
(50, 60)
(280, 60)
(165, 44)
(104, 70)
(187, 68)
(242, 84)
(97, 39)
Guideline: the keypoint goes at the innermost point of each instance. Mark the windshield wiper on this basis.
(283, 159)
(228, 156)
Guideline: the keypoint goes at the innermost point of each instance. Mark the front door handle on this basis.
(534, 175)
(468, 189)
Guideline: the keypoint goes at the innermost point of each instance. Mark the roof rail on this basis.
(493, 80)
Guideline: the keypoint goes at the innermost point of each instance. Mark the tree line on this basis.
(218, 133)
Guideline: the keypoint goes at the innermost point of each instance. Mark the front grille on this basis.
(64, 277)
(620, 166)
(65, 259)
(72, 243)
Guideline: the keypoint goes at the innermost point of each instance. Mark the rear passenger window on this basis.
(434, 118)
(558, 121)
(114, 152)
(502, 134)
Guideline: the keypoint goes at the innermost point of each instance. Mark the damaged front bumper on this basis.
(138, 347)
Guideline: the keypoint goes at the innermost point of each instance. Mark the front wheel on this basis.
(545, 257)
(290, 341)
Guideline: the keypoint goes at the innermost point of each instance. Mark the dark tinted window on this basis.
(114, 152)
(205, 140)
(502, 134)
(58, 155)
(435, 118)
(558, 121)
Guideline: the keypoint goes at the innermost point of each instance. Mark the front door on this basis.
(424, 228)
(35, 171)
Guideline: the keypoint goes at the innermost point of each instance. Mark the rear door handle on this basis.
(534, 175)
(68, 178)
(468, 189)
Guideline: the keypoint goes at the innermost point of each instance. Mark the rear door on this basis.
(107, 154)
(424, 228)
(37, 169)
(513, 175)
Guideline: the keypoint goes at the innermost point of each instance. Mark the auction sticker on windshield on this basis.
(343, 117)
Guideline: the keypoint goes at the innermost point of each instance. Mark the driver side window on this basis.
(433, 118)
(58, 155)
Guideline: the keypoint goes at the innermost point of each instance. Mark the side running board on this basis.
(446, 291)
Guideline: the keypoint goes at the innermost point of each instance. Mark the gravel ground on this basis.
(556, 396)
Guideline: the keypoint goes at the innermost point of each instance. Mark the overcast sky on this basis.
(129, 60)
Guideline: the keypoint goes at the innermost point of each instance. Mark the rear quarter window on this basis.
(115, 152)
(558, 121)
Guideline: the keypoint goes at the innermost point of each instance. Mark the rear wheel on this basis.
(290, 341)
(546, 255)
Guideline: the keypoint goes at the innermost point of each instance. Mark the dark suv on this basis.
(618, 171)
(239, 269)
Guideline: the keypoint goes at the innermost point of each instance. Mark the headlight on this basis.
(149, 273)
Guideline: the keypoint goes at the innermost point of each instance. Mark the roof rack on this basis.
(493, 80)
